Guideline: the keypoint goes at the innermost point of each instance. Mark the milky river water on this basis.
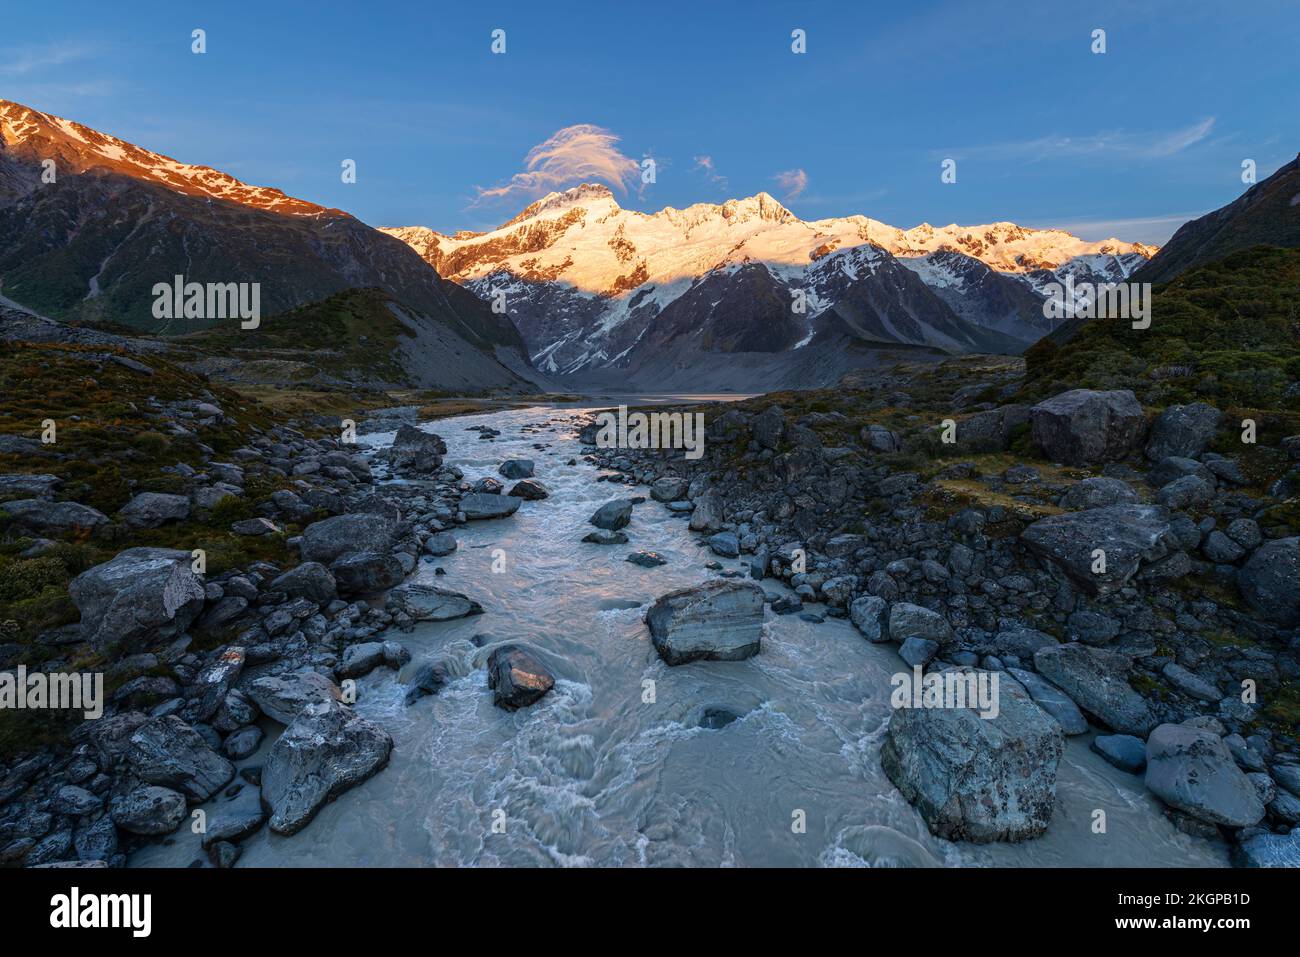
(595, 774)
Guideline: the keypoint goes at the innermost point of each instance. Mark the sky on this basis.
(446, 133)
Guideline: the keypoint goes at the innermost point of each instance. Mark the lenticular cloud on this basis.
(575, 154)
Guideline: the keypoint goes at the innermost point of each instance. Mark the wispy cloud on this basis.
(704, 165)
(793, 181)
(1144, 229)
(573, 155)
(19, 61)
(1119, 143)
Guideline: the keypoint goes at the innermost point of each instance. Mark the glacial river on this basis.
(595, 774)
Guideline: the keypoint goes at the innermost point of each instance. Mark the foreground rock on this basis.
(1128, 535)
(517, 678)
(974, 778)
(516, 469)
(612, 515)
(483, 505)
(1193, 771)
(149, 810)
(282, 697)
(1270, 581)
(167, 751)
(716, 621)
(427, 603)
(1084, 427)
(39, 517)
(332, 538)
(140, 597)
(415, 452)
(326, 750)
(1097, 681)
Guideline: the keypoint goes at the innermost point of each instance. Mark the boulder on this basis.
(530, 490)
(37, 517)
(440, 544)
(281, 697)
(242, 743)
(725, 544)
(1124, 751)
(141, 596)
(326, 540)
(366, 573)
(149, 810)
(167, 751)
(20, 485)
(310, 580)
(361, 659)
(1270, 581)
(707, 514)
(1183, 430)
(990, 431)
(868, 615)
(603, 537)
(612, 515)
(1129, 535)
(1085, 427)
(913, 621)
(416, 452)
(1098, 492)
(517, 678)
(516, 469)
(151, 509)
(1192, 771)
(1096, 679)
(429, 678)
(974, 778)
(716, 621)
(326, 750)
(422, 602)
(918, 651)
(668, 489)
(482, 505)
(235, 818)
(1269, 850)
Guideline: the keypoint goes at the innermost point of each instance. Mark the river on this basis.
(596, 774)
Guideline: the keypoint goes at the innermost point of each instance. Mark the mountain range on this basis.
(681, 295)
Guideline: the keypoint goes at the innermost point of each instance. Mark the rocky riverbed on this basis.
(453, 673)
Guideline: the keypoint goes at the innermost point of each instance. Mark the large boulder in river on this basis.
(716, 621)
(1127, 534)
(421, 602)
(326, 540)
(416, 452)
(977, 778)
(484, 505)
(1270, 581)
(141, 596)
(326, 750)
(530, 489)
(613, 515)
(1096, 679)
(516, 469)
(1085, 427)
(1183, 430)
(1192, 770)
(167, 751)
(516, 677)
(281, 697)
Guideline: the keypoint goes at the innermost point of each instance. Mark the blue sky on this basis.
(1130, 142)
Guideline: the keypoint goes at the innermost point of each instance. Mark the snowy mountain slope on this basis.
(584, 279)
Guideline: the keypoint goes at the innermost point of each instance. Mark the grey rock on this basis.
(1097, 681)
(974, 778)
(361, 659)
(326, 750)
(529, 490)
(440, 544)
(366, 573)
(141, 596)
(151, 509)
(1085, 427)
(913, 621)
(517, 678)
(868, 614)
(1188, 491)
(1269, 850)
(603, 537)
(724, 544)
(479, 506)
(282, 696)
(327, 540)
(421, 602)
(1052, 700)
(1124, 751)
(1193, 771)
(1128, 534)
(40, 517)
(416, 452)
(1098, 492)
(668, 489)
(310, 580)
(242, 743)
(167, 751)
(516, 469)
(1184, 430)
(1190, 684)
(1270, 581)
(918, 651)
(235, 818)
(716, 621)
(707, 514)
(612, 515)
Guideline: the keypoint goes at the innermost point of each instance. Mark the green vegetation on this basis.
(1226, 333)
